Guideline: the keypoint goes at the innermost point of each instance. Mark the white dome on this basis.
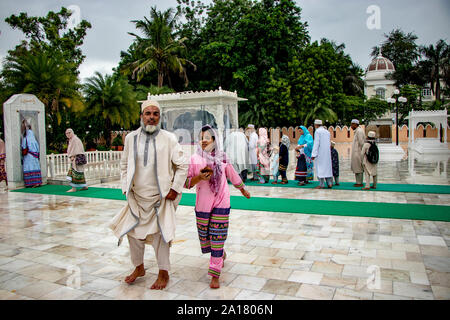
(379, 67)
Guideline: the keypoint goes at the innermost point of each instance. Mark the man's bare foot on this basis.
(161, 282)
(138, 272)
(72, 190)
(214, 283)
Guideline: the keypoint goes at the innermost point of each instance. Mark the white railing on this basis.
(100, 164)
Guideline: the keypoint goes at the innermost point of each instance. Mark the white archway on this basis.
(438, 117)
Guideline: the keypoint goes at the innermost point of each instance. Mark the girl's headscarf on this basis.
(215, 159)
(286, 141)
(263, 138)
(306, 138)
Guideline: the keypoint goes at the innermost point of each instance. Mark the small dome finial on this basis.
(379, 52)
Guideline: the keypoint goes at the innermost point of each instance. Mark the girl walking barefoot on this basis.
(209, 171)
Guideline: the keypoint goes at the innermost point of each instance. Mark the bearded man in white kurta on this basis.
(321, 155)
(356, 165)
(153, 172)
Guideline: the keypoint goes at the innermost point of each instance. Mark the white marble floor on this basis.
(59, 247)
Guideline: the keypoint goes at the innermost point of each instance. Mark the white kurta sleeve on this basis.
(181, 166)
(124, 164)
(361, 138)
(315, 150)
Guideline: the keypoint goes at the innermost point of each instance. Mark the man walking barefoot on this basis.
(153, 172)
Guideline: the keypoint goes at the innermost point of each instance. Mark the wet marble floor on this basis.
(59, 247)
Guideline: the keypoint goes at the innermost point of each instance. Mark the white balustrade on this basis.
(100, 165)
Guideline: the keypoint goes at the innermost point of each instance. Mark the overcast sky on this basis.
(344, 21)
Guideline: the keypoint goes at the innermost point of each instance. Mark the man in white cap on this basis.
(356, 161)
(321, 154)
(370, 168)
(252, 145)
(153, 172)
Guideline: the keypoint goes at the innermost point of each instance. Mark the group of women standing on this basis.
(304, 172)
(264, 151)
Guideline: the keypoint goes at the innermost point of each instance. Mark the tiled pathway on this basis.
(59, 247)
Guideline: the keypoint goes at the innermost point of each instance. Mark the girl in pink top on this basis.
(209, 170)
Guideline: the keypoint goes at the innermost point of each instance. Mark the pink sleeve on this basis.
(191, 173)
(234, 177)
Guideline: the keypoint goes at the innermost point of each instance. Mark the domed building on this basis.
(377, 84)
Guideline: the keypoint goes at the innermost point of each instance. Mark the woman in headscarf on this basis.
(305, 166)
(284, 158)
(30, 152)
(209, 169)
(76, 172)
(263, 152)
(2, 161)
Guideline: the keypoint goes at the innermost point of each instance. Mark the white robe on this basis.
(236, 148)
(322, 153)
(139, 217)
(358, 142)
(369, 167)
(252, 145)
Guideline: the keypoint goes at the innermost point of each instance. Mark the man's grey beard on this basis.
(149, 128)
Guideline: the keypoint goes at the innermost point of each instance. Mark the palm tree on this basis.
(353, 83)
(437, 58)
(321, 112)
(255, 115)
(50, 78)
(113, 99)
(161, 52)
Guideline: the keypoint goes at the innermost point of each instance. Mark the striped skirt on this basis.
(212, 230)
(32, 178)
(305, 169)
(76, 178)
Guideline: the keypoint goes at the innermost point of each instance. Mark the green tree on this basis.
(160, 50)
(374, 108)
(437, 61)
(402, 50)
(320, 112)
(143, 91)
(46, 64)
(50, 34)
(313, 88)
(353, 82)
(236, 43)
(52, 81)
(112, 99)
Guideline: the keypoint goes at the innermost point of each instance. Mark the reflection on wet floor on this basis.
(59, 247)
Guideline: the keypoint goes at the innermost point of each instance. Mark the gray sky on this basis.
(338, 20)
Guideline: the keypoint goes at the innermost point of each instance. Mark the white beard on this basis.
(149, 128)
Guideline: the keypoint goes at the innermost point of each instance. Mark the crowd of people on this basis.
(253, 153)
(154, 171)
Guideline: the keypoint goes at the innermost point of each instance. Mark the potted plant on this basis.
(117, 143)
